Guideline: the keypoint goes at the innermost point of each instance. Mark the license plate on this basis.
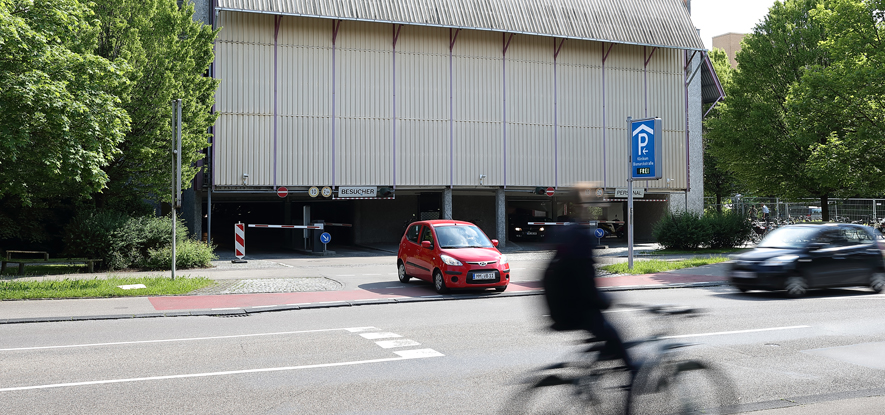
(743, 274)
(484, 276)
(531, 233)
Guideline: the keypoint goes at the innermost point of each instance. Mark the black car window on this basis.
(831, 238)
(412, 235)
(427, 235)
(857, 236)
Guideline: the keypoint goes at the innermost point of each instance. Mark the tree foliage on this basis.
(719, 182)
(169, 54)
(60, 104)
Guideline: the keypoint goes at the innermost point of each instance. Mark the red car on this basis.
(451, 254)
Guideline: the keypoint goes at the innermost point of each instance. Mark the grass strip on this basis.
(99, 287)
(651, 266)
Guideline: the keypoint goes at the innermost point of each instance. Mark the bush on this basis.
(190, 253)
(123, 242)
(728, 229)
(682, 230)
(91, 234)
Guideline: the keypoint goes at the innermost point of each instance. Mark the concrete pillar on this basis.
(447, 203)
(500, 218)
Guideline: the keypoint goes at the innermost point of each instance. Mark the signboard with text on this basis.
(357, 191)
(645, 149)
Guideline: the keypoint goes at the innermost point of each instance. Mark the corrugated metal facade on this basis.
(450, 106)
(663, 23)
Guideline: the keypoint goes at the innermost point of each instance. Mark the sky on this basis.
(718, 17)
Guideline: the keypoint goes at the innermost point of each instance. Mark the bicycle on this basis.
(667, 382)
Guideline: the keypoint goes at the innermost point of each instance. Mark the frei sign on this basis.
(645, 147)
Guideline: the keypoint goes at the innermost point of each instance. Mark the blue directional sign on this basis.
(599, 232)
(645, 149)
(325, 237)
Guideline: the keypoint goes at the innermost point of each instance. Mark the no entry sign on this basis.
(282, 191)
(550, 191)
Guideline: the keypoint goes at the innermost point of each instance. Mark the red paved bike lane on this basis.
(202, 302)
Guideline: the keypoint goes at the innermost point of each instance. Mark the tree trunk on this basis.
(718, 203)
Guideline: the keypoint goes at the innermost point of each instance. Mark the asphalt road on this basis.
(434, 357)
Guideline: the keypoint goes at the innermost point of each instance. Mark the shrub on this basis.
(90, 234)
(728, 229)
(189, 253)
(124, 242)
(682, 230)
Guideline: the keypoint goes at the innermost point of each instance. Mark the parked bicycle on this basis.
(668, 382)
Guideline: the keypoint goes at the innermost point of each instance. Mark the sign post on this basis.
(325, 238)
(645, 164)
(176, 173)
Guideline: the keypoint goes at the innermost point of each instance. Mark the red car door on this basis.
(426, 257)
(410, 248)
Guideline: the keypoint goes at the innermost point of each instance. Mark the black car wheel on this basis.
(439, 283)
(796, 286)
(401, 273)
(877, 281)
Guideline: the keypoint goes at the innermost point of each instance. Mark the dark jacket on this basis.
(570, 280)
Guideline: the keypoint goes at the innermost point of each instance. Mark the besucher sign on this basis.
(357, 191)
(646, 149)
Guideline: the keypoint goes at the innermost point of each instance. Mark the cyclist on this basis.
(765, 213)
(575, 302)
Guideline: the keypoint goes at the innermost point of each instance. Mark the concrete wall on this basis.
(382, 221)
(477, 209)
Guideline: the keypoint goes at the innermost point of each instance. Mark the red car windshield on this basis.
(453, 237)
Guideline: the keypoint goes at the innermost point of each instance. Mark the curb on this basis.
(243, 312)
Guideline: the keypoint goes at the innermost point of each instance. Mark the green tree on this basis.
(61, 118)
(169, 54)
(718, 181)
(844, 100)
(755, 136)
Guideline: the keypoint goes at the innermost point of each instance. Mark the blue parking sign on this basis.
(645, 149)
(325, 237)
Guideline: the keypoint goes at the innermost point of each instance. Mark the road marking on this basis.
(392, 288)
(403, 355)
(361, 329)
(389, 344)
(381, 335)
(863, 297)
(372, 274)
(282, 333)
(419, 353)
(736, 332)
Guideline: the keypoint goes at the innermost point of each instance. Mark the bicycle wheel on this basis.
(600, 389)
(687, 387)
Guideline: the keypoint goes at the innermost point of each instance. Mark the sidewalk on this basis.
(291, 281)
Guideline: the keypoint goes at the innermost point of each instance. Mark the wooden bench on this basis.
(89, 263)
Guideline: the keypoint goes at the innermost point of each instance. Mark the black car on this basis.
(798, 257)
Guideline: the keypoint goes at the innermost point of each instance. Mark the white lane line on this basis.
(361, 329)
(381, 335)
(389, 344)
(860, 297)
(403, 355)
(419, 353)
(737, 332)
(282, 333)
